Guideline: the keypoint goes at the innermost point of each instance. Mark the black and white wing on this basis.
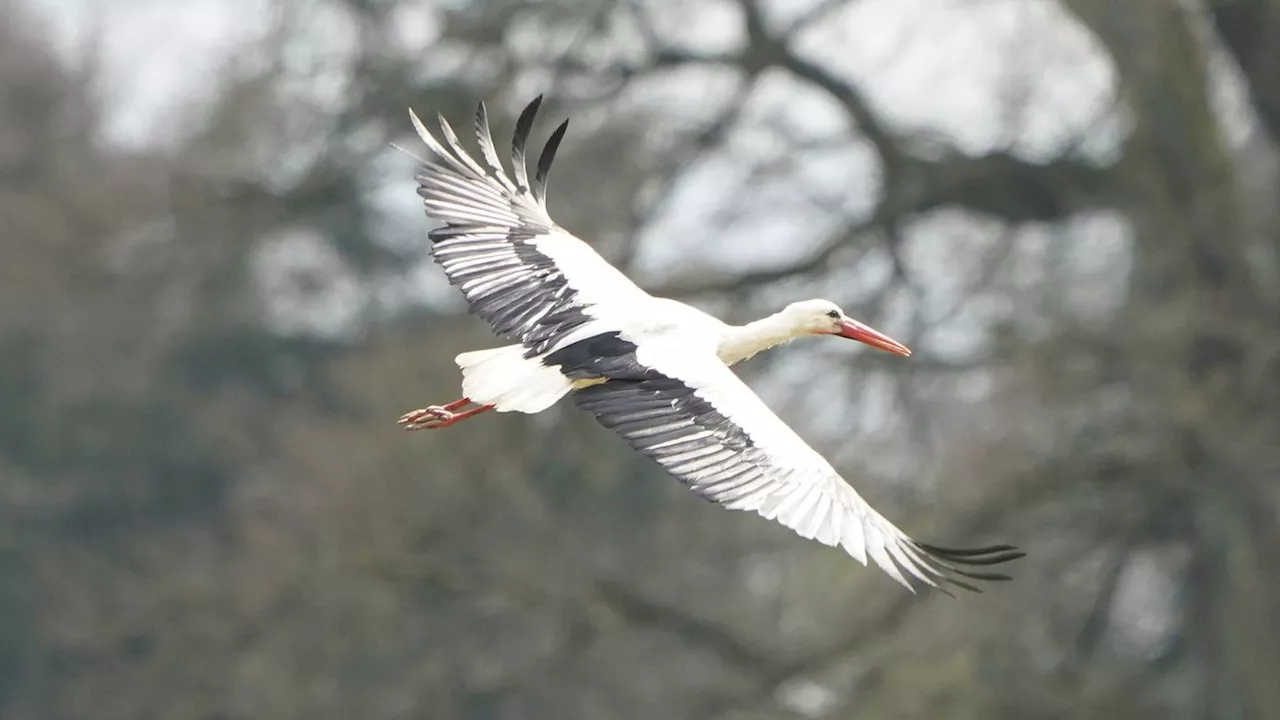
(531, 280)
(699, 421)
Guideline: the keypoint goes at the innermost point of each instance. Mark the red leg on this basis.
(440, 416)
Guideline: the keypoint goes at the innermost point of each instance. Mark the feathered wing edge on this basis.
(682, 415)
(949, 558)
(908, 561)
(498, 244)
(457, 159)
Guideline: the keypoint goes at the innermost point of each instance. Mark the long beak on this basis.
(855, 330)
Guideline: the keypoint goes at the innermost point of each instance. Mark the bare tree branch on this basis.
(815, 14)
(694, 149)
(1000, 185)
(1092, 630)
(856, 107)
(1250, 30)
(701, 632)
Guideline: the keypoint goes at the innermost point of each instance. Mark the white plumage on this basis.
(504, 378)
(653, 370)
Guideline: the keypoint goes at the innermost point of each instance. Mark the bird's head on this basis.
(823, 317)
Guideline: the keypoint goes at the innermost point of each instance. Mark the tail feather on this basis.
(504, 378)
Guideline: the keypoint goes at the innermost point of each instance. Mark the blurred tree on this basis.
(208, 514)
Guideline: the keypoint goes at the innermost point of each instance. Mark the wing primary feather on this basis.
(945, 560)
(435, 145)
(455, 145)
(876, 548)
(487, 149)
(962, 584)
(544, 163)
(956, 552)
(524, 294)
(993, 555)
(995, 560)
(905, 562)
(854, 540)
(993, 577)
(444, 189)
(518, 141)
(411, 154)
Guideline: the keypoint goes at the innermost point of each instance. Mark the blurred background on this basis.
(215, 301)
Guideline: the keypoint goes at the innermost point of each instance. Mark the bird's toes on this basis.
(424, 418)
(410, 417)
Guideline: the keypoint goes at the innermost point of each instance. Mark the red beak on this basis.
(855, 330)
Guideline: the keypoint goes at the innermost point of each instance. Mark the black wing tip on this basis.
(973, 557)
(545, 160)
(524, 124)
(519, 139)
(553, 144)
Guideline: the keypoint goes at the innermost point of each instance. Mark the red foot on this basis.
(434, 417)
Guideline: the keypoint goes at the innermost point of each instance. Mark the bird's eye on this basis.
(834, 314)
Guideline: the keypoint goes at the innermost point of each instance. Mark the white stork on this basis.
(653, 370)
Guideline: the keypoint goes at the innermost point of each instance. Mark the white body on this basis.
(504, 378)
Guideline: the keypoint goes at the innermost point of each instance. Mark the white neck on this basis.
(740, 342)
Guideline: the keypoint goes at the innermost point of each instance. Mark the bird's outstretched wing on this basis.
(690, 413)
(531, 280)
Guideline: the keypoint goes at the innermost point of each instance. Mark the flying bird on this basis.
(653, 370)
